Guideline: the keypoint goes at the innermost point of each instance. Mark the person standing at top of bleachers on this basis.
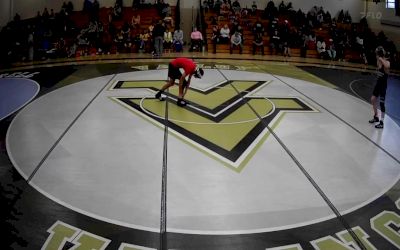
(254, 8)
(236, 7)
(117, 11)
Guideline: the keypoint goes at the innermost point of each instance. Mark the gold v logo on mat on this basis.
(228, 122)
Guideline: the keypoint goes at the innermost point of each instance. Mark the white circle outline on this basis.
(208, 123)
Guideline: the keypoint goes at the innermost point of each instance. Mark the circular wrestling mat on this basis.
(256, 160)
(252, 152)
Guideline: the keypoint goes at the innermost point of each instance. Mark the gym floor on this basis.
(267, 155)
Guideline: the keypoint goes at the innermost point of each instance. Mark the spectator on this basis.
(87, 6)
(168, 39)
(159, 4)
(254, 9)
(215, 38)
(166, 10)
(347, 18)
(196, 40)
(168, 21)
(225, 9)
(320, 19)
(235, 27)
(360, 48)
(286, 44)
(52, 15)
(328, 17)
(106, 42)
(331, 50)
(158, 36)
(61, 48)
(38, 17)
(110, 15)
(214, 20)
(244, 12)
(273, 25)
(94, 14)
(217, 7)
(275, 43)
(236, 7)
(210, 4)
(321, 48)
(270, 11)
(258, 28)
(70, 8)
(31, 43)
(205, 6)
(64, 8)
(135, 21)
(312, 41)
(45, 14)
(232, 17)
(119, 41)
(224, 34)
(178, 39)
(282, 8)
(236, 41)
(126, 32)
(117, 11)
(258, 43)
(340, 48)
(144, 40)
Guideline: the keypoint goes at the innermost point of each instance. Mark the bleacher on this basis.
(147, 17)
(248, 35)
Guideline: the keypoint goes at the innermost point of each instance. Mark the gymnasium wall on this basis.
(29, 8)
(5, 12)
(334, 6)
(378, 15)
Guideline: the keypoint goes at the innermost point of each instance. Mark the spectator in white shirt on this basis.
(236, 41)
(224, 34)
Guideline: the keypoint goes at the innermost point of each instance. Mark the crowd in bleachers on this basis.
(278, 29)
(92, 31)
(275, 30)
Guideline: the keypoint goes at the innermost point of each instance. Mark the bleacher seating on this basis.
(147, 17)
(248, 35)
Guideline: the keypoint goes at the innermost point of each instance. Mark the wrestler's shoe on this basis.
(159, 97)
(379, 125)
(375, 119)
(181, 103)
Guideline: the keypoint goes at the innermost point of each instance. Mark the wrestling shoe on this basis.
(159, 97)
(181, 103)
(379, 125)
(375, 119)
